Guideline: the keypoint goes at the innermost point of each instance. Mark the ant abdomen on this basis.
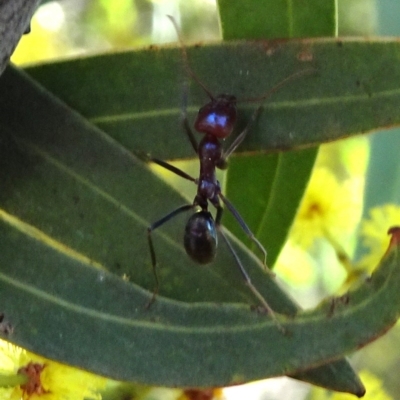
(218, 117)
(200, 237)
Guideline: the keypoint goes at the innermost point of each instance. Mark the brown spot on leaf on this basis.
(305, 56)
(337, 301)
(395, 239)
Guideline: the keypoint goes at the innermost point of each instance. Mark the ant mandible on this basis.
(216, 121)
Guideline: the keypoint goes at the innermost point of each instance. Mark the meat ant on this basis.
(216, 121)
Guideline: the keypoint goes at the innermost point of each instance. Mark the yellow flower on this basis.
(374, 232)
(304, 274)
(329, 209)
(46, 379)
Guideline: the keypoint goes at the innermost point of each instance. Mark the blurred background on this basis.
(365, 169)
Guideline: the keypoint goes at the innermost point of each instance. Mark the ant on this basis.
(216, 121)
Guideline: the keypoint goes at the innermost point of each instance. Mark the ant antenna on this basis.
(186, 61)
(279, 85)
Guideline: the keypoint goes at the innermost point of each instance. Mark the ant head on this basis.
(217, 117)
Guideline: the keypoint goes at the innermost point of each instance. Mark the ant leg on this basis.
(246, 277)
(150, 229)
(241, 136)
(247, 230)
(185, 121)
(173, 169)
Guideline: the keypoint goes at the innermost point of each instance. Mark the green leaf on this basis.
(276, 19)
(88, 193)
(90, 80)
(267, 191)
(136, 96)
(132, 95)
(74, 207)
(275, 183)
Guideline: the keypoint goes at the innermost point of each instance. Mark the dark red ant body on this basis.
(216, 121)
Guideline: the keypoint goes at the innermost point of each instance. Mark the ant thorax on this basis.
(210, 152)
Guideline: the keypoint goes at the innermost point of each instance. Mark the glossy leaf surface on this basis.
(74, 208)
(275, 183)
(154, 120)
(136, 96)
(276, 19)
